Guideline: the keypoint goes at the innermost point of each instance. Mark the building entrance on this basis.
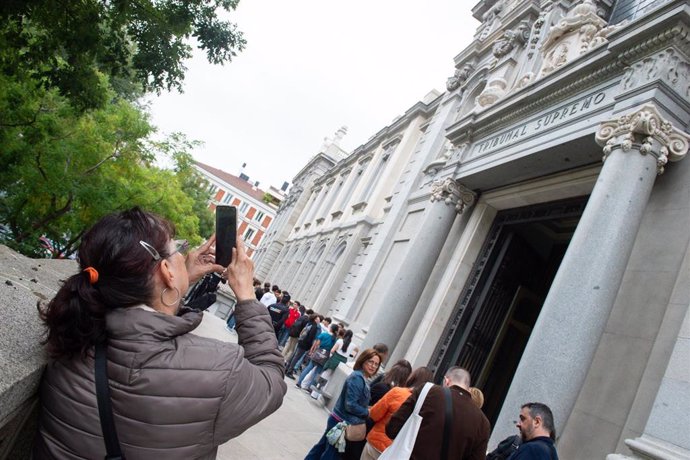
(501, 301)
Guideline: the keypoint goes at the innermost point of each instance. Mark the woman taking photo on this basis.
(352, 405)
(174, 393)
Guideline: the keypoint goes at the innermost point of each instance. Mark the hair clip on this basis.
(150, 249)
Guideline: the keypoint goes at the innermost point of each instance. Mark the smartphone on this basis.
(226, 233)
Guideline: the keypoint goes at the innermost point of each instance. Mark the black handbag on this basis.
(105, 409)
(320, 356)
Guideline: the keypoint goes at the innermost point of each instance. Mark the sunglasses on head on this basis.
(181, 246)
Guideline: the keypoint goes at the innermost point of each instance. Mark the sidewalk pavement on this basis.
(287, 434)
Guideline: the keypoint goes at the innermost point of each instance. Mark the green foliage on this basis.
(74, 144)
(61, 169)
(140, 44)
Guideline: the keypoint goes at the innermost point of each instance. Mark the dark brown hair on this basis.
(419, 377)
(365, 356)
(75, 317)
(397, 375)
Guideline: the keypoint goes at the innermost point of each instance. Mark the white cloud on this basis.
(311, 66)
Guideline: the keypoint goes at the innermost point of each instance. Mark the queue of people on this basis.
(373, 409)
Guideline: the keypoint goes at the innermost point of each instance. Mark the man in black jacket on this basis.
(294, 332)
(279, 311)
(306, 339)
(537, 433)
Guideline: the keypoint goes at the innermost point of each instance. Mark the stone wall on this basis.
(23, 282)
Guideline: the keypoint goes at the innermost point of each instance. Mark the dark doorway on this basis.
(500, 304)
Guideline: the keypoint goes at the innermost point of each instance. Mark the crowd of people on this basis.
(134, 373)
(373, 407)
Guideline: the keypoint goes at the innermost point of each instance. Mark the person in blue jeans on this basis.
(352, 406)
(324, 340)
(304, 343)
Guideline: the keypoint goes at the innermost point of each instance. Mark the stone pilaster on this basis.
(562, 345)
(448, 199)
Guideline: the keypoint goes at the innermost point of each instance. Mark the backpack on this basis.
(298, 325)
(505, 448)
(305, 331)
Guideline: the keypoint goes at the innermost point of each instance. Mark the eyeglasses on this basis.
(372, 362)
(181, 246)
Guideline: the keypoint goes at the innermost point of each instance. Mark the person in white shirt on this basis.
(271, 297)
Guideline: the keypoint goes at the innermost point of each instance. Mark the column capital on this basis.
(450, 192)
(649, 132)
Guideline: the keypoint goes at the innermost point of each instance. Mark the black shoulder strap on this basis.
(447, 424)
(105, 410)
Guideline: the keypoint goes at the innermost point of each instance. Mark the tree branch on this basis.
(39, 166)
(55, 214)
(115, 154)
(69, 246)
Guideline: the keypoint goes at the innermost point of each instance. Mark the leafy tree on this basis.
(74, 144)
(177, 147)
(61, 170)
(140, 44)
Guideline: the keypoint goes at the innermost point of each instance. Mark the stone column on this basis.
(566, 335)
(395, 308)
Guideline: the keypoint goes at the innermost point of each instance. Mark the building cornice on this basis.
(668, 25)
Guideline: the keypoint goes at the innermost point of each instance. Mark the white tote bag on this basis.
(402, 446)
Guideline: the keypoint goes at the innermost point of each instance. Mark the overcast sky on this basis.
(311, 66)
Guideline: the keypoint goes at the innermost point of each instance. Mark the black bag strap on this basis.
(105, 409)
(447, 424)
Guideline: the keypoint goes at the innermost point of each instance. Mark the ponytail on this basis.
(116, 273)
(75, 318)
(346, 340)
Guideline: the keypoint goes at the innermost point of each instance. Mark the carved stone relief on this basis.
(526, 79)
(450, 153)
(490, 20)
(459, 77)
(450, 192)
(495, 89)
(668, 66)
(576, 34)
(646, 129)
(511, 39)
(537, 28)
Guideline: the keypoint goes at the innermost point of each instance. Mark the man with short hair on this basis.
(271, 297)
(382, 350)
(468, 428)
(279, 312)
(537, 432)
(258, 290)
(326, 324)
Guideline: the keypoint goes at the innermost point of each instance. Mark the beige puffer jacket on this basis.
(175, 395)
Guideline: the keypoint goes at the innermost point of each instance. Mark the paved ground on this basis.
(288, 434)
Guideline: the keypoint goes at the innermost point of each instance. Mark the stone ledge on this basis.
(23, 282)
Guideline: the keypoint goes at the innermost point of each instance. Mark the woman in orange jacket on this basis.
(381, 412)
